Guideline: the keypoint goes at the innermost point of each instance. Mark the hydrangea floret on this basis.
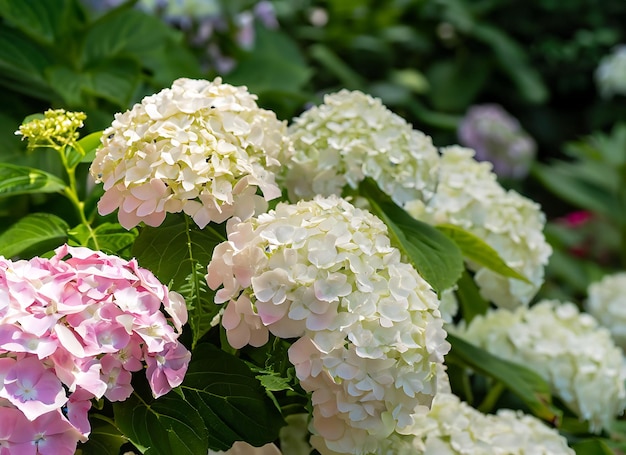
(201, 147)
(352, 136)
(606, 301)
(498, 137)
(74, 328)
(568, 348)
(469, 196)
(368, 328)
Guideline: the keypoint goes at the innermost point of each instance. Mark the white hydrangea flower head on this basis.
(352, 136)
(202, 147)
(454, 427)
(568, 348)
(611, 73)
(606, 301)
(469, 196)
(369, 327)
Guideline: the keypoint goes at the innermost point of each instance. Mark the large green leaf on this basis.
(36, 232)
(275, 64)
(435, 256)
(167, 426)
(104, 439)
(471, 302)
(230, 399)
(39, 19)
(24, 180)
(478, 251)
(592, 447)
(219, 402)
(531, 388)
(172, 250)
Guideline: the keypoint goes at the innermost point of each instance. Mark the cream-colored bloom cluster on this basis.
(606, 301)
(352, 136)
(57, 128)
(452, 427)
(469, 196)
(369, 330)
(566, 347)
(200, 147)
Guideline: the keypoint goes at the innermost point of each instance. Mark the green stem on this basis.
(195, 283)
(492, 398)
(71, 192)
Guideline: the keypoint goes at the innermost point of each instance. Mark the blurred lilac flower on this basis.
(499, 138)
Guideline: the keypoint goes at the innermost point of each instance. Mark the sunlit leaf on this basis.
(435, 256)
(24, 180)
(36, 232)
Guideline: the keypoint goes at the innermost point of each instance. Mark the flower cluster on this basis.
(606, 301)
(567, 348)
(200, 147)
(499, 138)
(468, 196)
(352, 136)
(57, 128)
(453, 427)
(368, 326)
(73, 328)
(611, 73)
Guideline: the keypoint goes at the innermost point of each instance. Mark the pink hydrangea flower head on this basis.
(202, 147)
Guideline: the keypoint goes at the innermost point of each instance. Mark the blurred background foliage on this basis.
(428, 60)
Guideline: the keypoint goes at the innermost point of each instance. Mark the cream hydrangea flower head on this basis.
(369, 328)
(606, 302)
(469, 196)
(352, 136)
(566, 347)
(454, 427)
(200, 147)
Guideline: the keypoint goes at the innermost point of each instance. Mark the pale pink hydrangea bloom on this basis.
(369, 328)
(200, 147)
(74, 328)
(352, 136)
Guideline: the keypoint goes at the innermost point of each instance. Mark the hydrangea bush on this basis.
(238, 270)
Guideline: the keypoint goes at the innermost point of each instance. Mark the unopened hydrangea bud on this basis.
(569, 349)
(200, 147)
(56, 129)
(498, 138)
(611, 73)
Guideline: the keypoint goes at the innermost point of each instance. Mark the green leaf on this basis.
(437, 258)
(274, 64)
(592, 447)
(478, 251)
(531, 388)
(165, 252)
(273, 382)
(112, 238)
(471, 302)
(230, 399)
(454, 84)
(24, 180)
(169, 425)
(200, 302)
(560, 181)
(90, 144)
(22, 65)
(104, 439)
(36, 232)
(40, 20)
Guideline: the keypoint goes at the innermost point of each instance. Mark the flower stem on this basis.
(492, 397)
(194, 322)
